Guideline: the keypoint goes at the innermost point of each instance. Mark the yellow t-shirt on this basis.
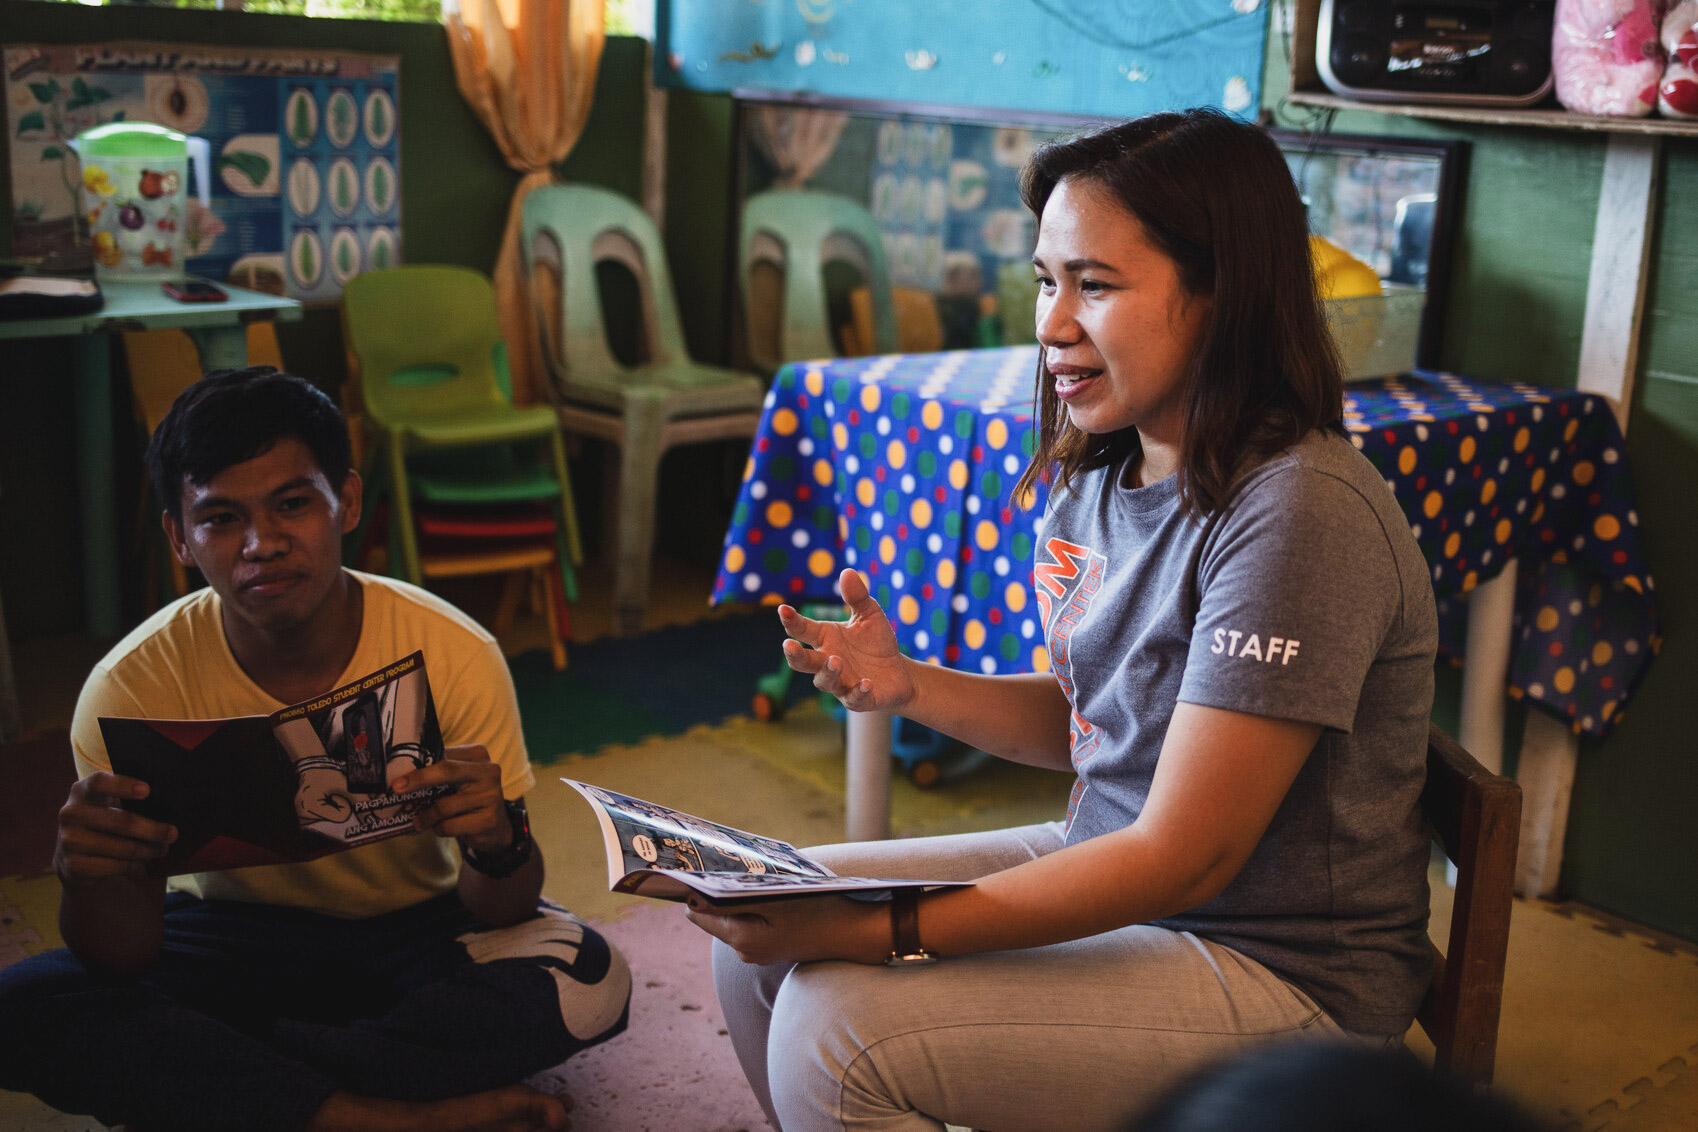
(178, 665)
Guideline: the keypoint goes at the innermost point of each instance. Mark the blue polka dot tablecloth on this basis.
(904, 468)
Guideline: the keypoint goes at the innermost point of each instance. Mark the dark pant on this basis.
(253, 1014)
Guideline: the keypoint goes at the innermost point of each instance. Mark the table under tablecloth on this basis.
(904, 466)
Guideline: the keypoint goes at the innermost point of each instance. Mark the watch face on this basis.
(912, 959)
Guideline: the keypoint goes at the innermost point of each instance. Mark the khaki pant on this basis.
(1079, 1035)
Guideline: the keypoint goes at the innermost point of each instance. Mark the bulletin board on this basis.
(1115, 59)
(306, 165)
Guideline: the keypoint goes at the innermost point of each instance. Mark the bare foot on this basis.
(513, 1108)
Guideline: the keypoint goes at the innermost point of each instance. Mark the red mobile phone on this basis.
(194, 291)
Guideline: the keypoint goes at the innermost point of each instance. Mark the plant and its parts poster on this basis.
(306, 167)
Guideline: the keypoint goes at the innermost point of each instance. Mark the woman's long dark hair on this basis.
(1214, 195)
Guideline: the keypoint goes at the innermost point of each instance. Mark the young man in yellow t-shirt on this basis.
(410, 983)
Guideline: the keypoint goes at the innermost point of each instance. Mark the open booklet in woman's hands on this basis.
(653, 850)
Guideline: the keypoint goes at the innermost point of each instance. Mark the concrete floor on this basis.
(1600, 1018)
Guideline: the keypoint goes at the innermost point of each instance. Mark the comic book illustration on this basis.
(308, 780)
(654, 850)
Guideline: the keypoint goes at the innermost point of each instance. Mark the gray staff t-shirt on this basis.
(1305, 597)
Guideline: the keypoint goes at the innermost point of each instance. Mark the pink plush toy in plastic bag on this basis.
(1678, 96)
(1606, 56)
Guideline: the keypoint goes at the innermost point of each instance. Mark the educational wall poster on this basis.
(305, 148)
(1110, 59)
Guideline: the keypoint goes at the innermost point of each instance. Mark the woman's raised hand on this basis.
(855, 660)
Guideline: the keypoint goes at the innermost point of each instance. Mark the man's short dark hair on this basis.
(232, 415)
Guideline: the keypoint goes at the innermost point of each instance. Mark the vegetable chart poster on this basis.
(306, 167)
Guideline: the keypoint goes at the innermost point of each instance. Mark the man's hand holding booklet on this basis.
(653, 850)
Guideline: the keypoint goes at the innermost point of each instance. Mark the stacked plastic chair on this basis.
(475, 484)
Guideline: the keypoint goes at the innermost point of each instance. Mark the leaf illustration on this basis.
(307, 267)
(31, 121)
(52, 152)
(379, 188)
(301, 131)
(379, 118)
(380, 255)
(119, 116)
(84, 95)
(344, 259)
(256, 167)
(45, 92)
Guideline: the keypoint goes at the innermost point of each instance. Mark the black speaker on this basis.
(1464, 52)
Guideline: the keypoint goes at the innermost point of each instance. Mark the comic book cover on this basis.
(308, 780)
(654, 850)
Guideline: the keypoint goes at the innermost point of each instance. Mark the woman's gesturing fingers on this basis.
(803, 659)
(799, 628)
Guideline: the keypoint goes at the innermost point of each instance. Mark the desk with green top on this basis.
(220, 334)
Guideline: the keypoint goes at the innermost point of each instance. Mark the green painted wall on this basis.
(1633, 843)
(454, 196)
(698, 227)
(1516, 313)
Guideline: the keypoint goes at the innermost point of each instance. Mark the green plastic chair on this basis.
(799, 231)
(433, 378)
(646, 408)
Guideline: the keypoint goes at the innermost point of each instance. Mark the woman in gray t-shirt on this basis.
(1241, 636)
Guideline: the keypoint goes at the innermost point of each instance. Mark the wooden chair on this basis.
(161, 364)
(919, 327)
(520, 542)
(1476, 816)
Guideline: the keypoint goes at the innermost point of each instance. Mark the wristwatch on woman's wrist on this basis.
(906, 950)
(510, 860)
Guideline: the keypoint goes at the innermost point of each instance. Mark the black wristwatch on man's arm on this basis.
(511, 859)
